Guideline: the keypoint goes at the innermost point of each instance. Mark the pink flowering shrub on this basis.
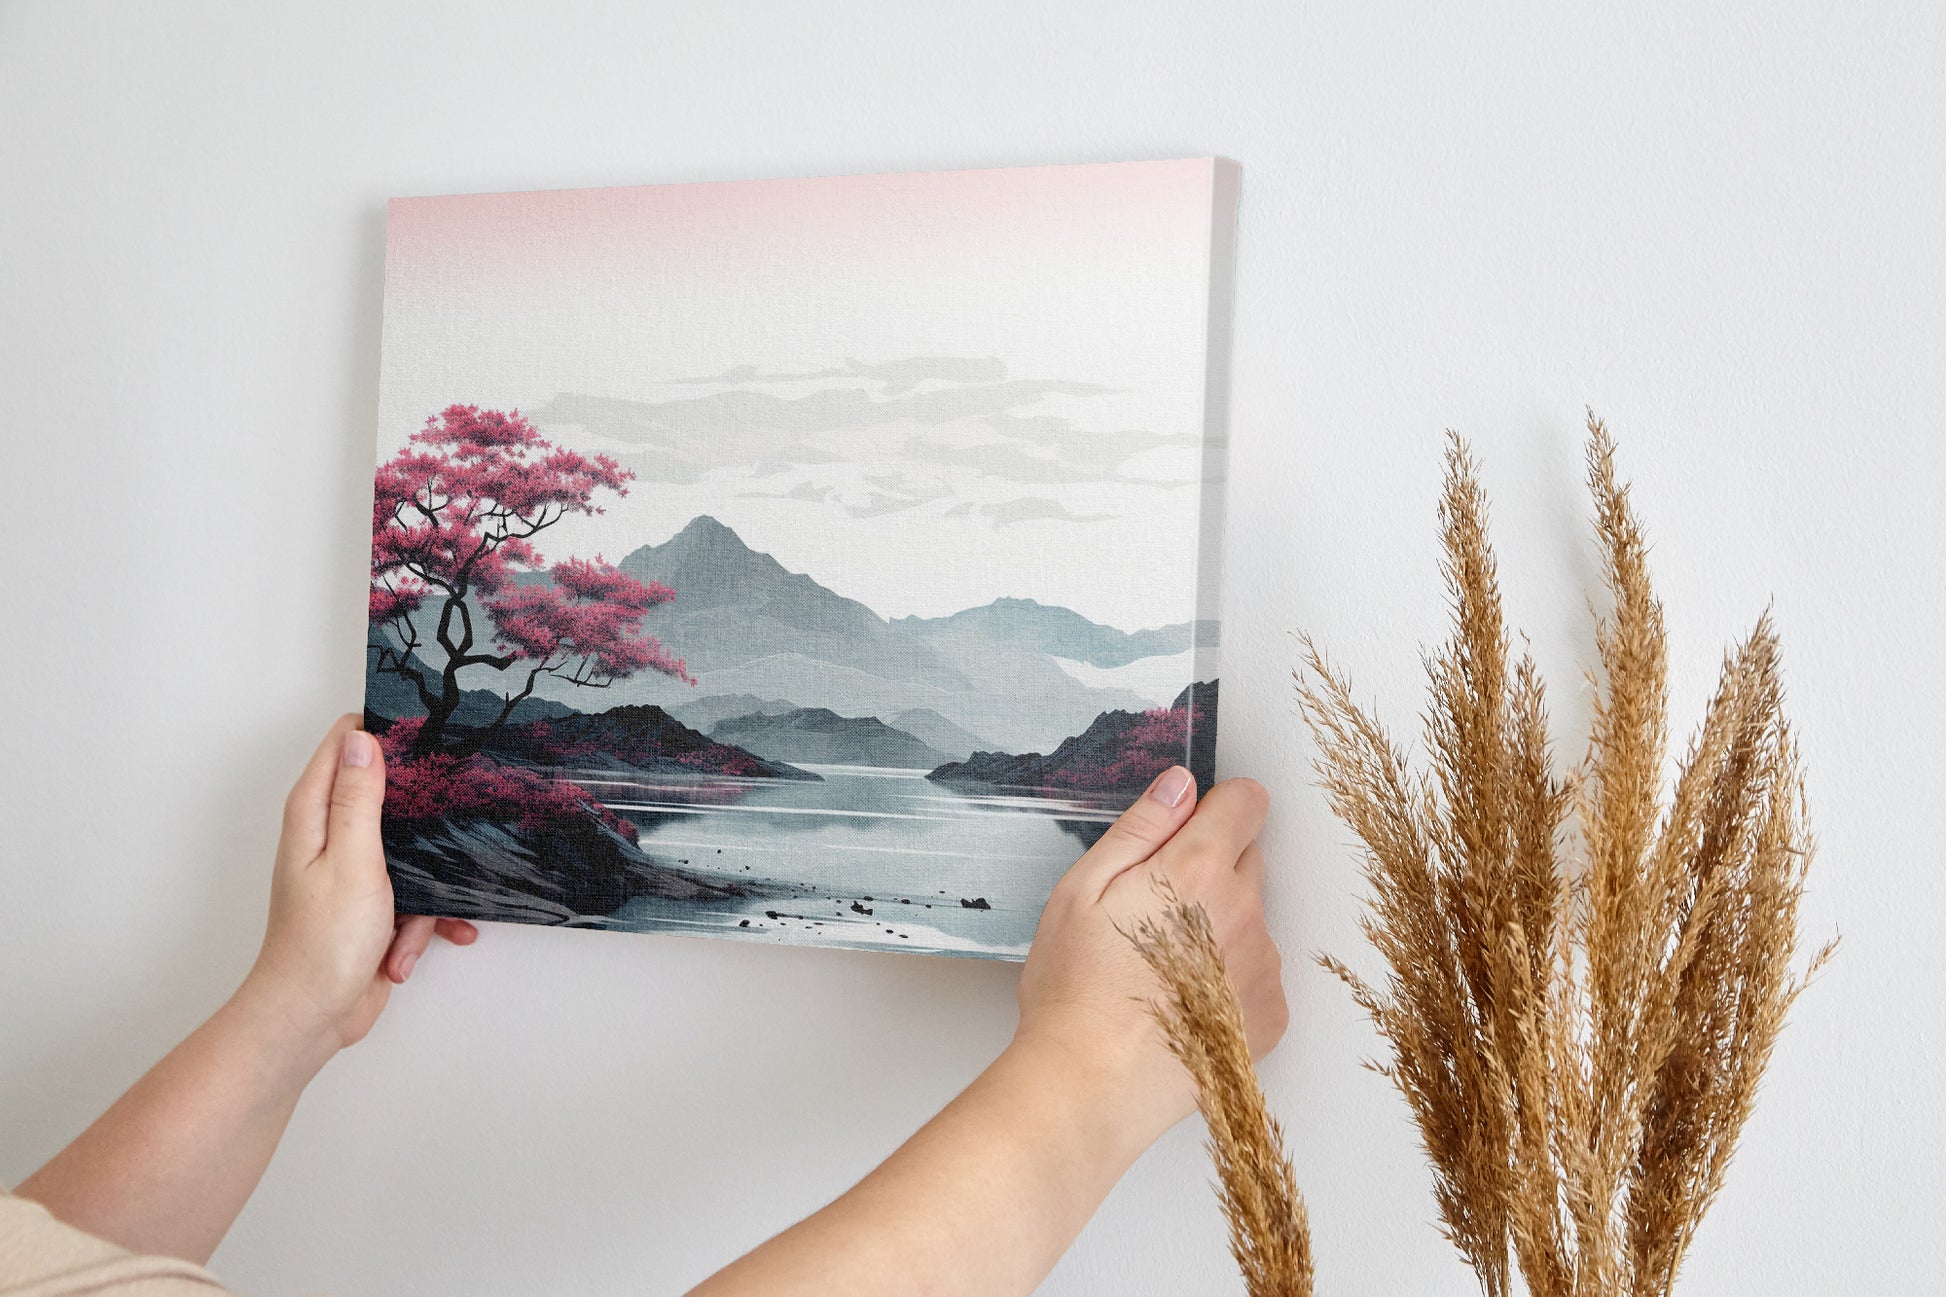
(1158, 739)
(423, 789)
(720, 759)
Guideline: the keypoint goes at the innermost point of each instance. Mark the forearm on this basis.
(168, 1167)
(983, 1200)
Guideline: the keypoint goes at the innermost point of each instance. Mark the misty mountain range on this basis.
(1063, 633)
(984, 678)
(927, 727)
(819, 736)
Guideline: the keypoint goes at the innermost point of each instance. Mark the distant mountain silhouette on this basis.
(952, 742)
(936, 731)
(745, 624)
(642, 737)
(722, 584)
(819, 735)
(1063, 632)
(1080, 760)
(706, 712)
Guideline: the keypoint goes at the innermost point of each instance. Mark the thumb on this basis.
(357, 793)
(1151, 821)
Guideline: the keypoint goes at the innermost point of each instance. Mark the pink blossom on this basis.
(1158, 739)
(588, 614)
(423, 789)
(454, 515)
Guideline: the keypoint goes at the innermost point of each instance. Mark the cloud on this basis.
(696, 422)
(809, 492)
(896, 375)
(796, 455)
(879, 504)
(999, 459)
(889, 493)
(874, 439)
(895, 493)
(1087, 459)
(1034, 508)
(1052, 430)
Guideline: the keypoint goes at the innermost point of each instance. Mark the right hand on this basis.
(1085, 991)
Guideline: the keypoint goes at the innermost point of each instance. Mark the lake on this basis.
(866, 857)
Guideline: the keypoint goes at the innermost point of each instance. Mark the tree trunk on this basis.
(432, 735)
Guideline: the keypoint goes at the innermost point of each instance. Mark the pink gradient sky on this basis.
(1094, 274)
(589, 232)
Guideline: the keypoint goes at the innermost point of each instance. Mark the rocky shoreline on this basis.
(572, 874)
(1109, 755)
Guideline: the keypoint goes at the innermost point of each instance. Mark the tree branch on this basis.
(473, 742)
(394, 662)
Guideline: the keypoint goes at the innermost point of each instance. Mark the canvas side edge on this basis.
(1226, 179)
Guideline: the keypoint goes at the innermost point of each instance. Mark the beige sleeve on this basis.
(41, 1257)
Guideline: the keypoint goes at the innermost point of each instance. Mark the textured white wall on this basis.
(1717, 223)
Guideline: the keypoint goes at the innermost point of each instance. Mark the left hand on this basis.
(169, 1166)
(333, 948)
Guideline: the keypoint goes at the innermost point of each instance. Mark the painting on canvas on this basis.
(823, 561)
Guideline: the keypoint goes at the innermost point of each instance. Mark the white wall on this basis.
(1717, 223)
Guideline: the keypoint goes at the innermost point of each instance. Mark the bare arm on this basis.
(168, 1167)
(990, 1193)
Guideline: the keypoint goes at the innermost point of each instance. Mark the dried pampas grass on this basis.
(1270, 1236)
(1585, 974)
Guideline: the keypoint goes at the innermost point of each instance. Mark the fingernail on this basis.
(1170, 785)
(358, 748)
(405, 966)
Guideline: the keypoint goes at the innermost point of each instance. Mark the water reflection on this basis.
(865, 856)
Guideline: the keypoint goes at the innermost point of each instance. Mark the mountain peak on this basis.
(710, 567)
(707, 530)
(704, 550)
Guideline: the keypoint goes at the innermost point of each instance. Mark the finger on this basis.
(1140, 830)
(1226, 821)
(1246, 883)
(357, 793)
(457, 931)
(1250, 866)
(308, 805)
(408, 943)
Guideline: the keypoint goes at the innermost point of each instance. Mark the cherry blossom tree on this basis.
(454, 515)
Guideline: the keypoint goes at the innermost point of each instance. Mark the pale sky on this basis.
(927, 391)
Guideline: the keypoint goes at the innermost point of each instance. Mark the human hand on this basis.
(333, 948)
(1084, 993)
(169, 1166)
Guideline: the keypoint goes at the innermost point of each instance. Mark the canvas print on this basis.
(823, 561)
